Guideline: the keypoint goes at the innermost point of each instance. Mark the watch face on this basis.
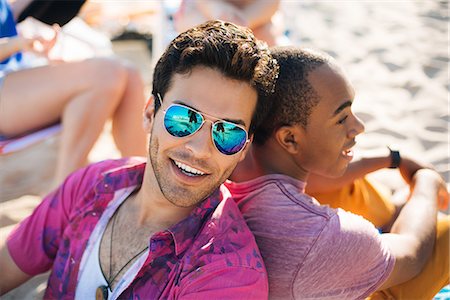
(395, 158)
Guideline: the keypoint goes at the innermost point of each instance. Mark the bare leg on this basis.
(128, 130)
(88, 112)
(83, 94)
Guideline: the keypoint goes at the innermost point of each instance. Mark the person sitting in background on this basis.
(81, 95)
(255, 14)
(49, 12)
(314, 251)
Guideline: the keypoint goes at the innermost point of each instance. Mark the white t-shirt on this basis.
(91, 276)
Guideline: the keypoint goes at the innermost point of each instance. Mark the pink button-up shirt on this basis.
(211, 254)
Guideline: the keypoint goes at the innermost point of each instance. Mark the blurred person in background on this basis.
(255, 14)
(81, 95)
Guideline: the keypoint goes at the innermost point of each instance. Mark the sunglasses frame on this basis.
(247, 140)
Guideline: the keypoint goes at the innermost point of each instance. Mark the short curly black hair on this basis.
(294, 96)
(232, 50)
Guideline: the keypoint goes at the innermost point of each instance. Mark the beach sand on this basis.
(396, 55)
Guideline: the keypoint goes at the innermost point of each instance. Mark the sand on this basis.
(396, 55)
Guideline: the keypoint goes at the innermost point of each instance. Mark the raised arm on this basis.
(358, 169)
(412, 237)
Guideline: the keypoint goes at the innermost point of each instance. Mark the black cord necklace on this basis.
(101, 292)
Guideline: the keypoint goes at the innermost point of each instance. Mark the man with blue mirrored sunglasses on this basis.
(164, 228)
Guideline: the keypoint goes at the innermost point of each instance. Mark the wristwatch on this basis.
(395, 158)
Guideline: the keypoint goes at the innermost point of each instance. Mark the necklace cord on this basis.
(110, 248)
(111, 280)
(121, 269)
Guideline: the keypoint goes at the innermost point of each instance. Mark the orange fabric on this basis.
(362, 198)
(434, 276)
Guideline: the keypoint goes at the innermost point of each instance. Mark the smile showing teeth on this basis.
(348, 152)
(188, 170)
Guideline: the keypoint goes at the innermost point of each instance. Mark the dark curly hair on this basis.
(228, 48)
(294, 96)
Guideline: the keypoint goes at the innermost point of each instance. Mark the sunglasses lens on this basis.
(228, 138)
(181, 121)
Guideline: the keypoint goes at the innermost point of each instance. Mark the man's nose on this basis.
(356, 128)
(200, 143)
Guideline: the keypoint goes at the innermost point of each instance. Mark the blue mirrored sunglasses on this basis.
(181, 121)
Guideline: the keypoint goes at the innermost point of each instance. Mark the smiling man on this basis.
(161, 229)
(313, 251)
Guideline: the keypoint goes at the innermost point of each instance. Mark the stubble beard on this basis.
(176, 194)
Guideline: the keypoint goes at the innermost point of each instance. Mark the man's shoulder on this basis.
(276, 194)
(354, 259)
(111, 165)
(224, 256)
(227, 217)
(355, 229)
(349, 238)
(105, 177)
(93, 173)
(227, 237)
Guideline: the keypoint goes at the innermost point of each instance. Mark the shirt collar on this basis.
(262, 181)
(129, 174)
(185, 231)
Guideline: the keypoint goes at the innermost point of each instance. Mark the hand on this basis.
(39, 45)
(442, 191)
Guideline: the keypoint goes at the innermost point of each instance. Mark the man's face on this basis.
(332, 126)
(188, 169)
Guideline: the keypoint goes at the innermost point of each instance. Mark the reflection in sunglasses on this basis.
(182, 121)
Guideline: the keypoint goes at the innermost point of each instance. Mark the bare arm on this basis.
(412, 237)
(357, 169)
(37, 44)
(10, 275)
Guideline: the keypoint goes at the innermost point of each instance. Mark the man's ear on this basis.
(149, 114)
(289, 138)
